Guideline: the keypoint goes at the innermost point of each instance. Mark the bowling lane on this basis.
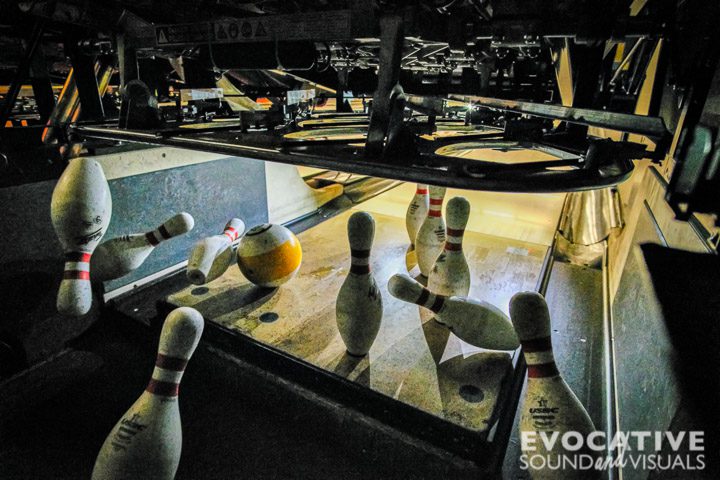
(527, 217)
(413, 360)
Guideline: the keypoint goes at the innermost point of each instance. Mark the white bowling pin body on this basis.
(359, 304)
(477, 323)
(122, 255)
(431, 235)
(450, 275)
(416, 211)
(80, 209)
(549, 405)
(147, 441)
(212, 256)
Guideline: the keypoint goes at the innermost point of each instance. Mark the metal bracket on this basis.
(388, 88)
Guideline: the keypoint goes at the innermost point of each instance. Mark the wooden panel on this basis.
(413, 360)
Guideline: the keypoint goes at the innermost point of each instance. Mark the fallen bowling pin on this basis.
(416, 211)
(80, 209)
(431, 235)
(212, 256)
(549, 405)
(147, 441)
(450, 275)
(477, 323)
(122, 255)
(358, 310)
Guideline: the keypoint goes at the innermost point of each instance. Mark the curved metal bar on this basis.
(445, 171)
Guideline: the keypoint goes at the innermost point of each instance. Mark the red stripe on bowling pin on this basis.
(231, 233)
(453, 242)
(421, 191)
(435, 207)
(542, 347)
(431, 301)
(166, 377)
(77, 266)
(158, 235)
(360, 262)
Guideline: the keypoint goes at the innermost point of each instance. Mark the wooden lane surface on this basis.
(414, 359)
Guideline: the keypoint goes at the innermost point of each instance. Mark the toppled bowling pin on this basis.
(477, 323)
(80, 209)
(120, 256)
(450, 276)
(549, 405)
(147, 441)
(212, 256)
(431, 235)
(416, 211)
(358, 310)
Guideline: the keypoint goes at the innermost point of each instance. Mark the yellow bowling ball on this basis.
(269, 255)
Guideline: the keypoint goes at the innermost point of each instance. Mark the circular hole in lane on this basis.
(269, 317)
(471, 393)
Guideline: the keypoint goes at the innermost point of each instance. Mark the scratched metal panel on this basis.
(211, 192)
(648, 395)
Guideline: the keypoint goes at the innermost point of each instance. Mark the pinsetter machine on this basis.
(595, 122)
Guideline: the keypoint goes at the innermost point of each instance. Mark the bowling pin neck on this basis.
(421, 190)
(437, 194)
(359, 262)
(405, 288)
(234, 229)
(539, 358)
(178, 339)
(177, 225)
(168, 372)
(453, 240)
(431, 301)
(77, 266)
(361, 230)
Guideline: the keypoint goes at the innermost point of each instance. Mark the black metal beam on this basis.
(653, 127)
(86, 82)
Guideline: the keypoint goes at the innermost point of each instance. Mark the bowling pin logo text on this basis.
(543, 415)
(129, 427)
(636, 450)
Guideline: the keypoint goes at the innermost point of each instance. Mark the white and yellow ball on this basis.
(269, 255)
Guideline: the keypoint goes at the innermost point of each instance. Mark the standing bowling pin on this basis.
(450, 276)
(80, 209)
(477, 323)
(120, 256)
(549, 406)
(358, 310)
(146, 442)
(431, 235)
(212, 256)
(416, 212)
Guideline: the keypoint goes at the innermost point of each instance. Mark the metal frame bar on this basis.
(609, 166)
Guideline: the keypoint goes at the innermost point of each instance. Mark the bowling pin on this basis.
(431, 235)
(81, 207)
(549, 405)
(120, 256)
(416, 211)
(146, 442)
(450, 276)
(358, 310)
(212, 256)
(477, 323)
